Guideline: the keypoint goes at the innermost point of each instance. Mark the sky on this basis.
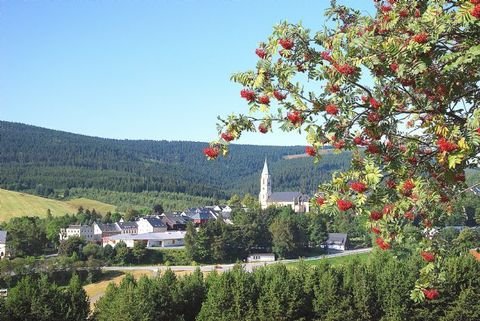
(144, 69)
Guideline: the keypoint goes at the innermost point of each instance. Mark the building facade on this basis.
(300, 203)
(84, 231)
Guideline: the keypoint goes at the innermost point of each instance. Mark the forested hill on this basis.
(31, 156)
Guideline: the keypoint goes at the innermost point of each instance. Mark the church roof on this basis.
(284, 196)
(265, 168)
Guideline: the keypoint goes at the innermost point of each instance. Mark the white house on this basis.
(261, 257)
(167, 239)
(300, 203)
(3, 244)
(101, 231)
(84, 231)
(336, 241)
(128, 227)
(150, 225)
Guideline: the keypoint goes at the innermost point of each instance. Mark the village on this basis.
(168, 230)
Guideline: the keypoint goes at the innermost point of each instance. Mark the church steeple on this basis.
(265, 186)
(265, 168)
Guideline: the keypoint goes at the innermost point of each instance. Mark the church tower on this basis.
(265, 186)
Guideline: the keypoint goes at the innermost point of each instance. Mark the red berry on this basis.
(227, 137)
(376, 215)
(278, 94)
(431, 294)
(320, 200)
(326, 56)
(475, 1)
(248, 94)
(409, 215)
(385, 8)
(344, 205)
(428, 256)
(373, 117)
(376, 230)
(286, 43)
(333, 88)
(408, 185)
(372, 148)
(310, 151)
(394, 67)
(374, 103)
(211, 152)
(391, 184)
(358, 140)
(476, 11)
(388, 209)
(446, 146)
(331, 109)
(403, 13)
(382, 244)
(358, 187)
(421, 37)
(295, 117)
(339, 144)
(262, 128)
(261, 53)
(264, 100)
(345, 69)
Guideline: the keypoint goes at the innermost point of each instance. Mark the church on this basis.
(299, 202)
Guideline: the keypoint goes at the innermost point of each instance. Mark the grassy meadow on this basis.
(14, 204)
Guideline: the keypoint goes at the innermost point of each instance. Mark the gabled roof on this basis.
(109, 227)
(127, 225)
(156, 236)
(204, 215)
(3, 237)
(155, 222)
(337, 238)
(173, 218)
(284, 196)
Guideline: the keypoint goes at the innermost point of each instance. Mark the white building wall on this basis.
(144, 226)
(261, 257)
(3, 250)
(85, 231)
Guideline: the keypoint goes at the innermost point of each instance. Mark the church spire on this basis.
(265, 168)
(265, 186)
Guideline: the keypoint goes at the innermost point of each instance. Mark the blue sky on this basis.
(137, 69)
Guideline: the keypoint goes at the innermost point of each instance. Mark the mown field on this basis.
(361, 257)
(14, 204)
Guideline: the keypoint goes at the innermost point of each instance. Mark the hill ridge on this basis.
(32, 156)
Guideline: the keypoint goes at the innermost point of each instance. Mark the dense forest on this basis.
(43, 160)
(377, 289)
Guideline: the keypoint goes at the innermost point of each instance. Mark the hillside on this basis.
(39, 160)
(19, 204)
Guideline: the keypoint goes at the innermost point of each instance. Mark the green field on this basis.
(361, 257)
(14, 204)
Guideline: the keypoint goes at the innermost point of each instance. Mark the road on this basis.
(226, 267)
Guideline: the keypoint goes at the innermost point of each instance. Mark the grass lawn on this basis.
(97, 289)
(362, 257)
(13, 204)
(92, 204)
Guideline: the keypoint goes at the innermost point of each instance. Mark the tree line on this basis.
(41, 161)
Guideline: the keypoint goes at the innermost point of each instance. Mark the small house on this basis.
(3, 244)
(336, 242)
(261, 257)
